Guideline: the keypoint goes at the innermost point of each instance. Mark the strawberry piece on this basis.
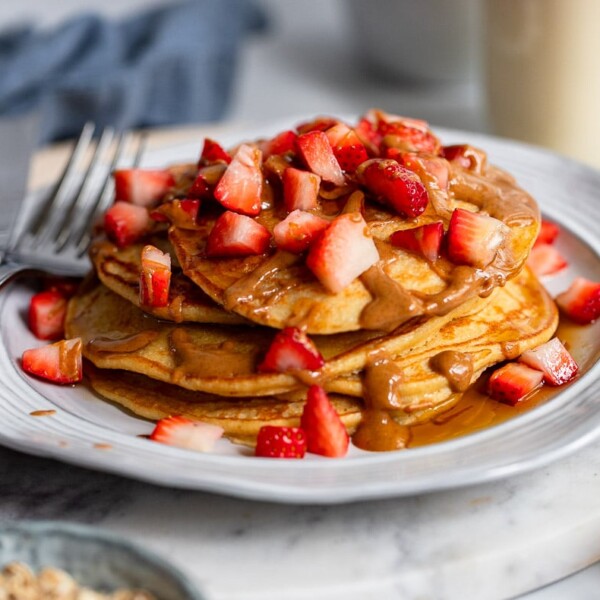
(394, 185)
(237, 235)
(474, 238)
(347, 147)
(240, 188)
(318, 156)
(155, 277)
(60, 362)
(300, 189)
(184, 433)
(425, 240)
(46, 315)
(342, 252)
(206, 180)
(181, 213)
(67, 286)
(457, 154)
(213, 151)
(325, 432)
(280, 442)
(297, 231)
(126, 223)
(545, 259)
(581, 302)
(318, 124)
(291, 350)
(553, 359)
(548, 233)
(144, 187)
(280, 144)
(513, 383)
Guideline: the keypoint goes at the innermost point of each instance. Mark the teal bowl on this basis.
(95, 559)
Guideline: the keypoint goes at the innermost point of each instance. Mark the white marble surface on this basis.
(492, 541)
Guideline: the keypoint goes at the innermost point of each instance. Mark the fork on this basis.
(55, 239)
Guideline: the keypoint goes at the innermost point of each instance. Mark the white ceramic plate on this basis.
(87, 431)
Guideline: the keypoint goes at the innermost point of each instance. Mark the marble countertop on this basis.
(492, 541)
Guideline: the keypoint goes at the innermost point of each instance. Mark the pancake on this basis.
(119, 270)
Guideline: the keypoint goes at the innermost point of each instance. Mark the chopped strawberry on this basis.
(425, 240)
(206, 180)
(237, 235)
(553, 359)
(213, 151)
(325, 432)
(60, 362)
(300, 189)
(126, 223)
(318, 124)
(143, 187)
(513, 383)
(342, 252)
(347, 147)
(545, 259)
(394, 185)
(291, 350)
(280, 442)
(280, 144)
(581, 302)
(318, 156)
(297, 231)
(466, 156)
(184, 433)
(474, 238)
(155, 277)
(181, 213)
(548, 233)
(46, 316)
(240, 188)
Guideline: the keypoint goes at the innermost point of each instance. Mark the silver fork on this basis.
(55, 238)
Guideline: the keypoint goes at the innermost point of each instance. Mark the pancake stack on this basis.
(405, 299)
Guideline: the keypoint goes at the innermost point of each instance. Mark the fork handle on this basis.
(9, 271)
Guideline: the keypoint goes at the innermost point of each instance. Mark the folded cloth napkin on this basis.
(173, 64)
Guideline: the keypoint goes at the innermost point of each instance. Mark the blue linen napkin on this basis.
(173, 64)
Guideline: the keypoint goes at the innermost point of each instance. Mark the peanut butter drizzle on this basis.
(122, 345)
(456, 367)
(69, 359)
(224, 360)
(42, 413)
(261, 282)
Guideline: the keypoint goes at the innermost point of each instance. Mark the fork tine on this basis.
(76, 214)
(60, 190)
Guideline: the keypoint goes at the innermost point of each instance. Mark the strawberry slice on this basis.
(282, 143)
(316, 152)
(126, 223)
(474, 238)
(155, 277)
(184, 433)
(548, 233)
(291, 350)
(237, 235)
(513, 383)
(342, 252)
(280, 442)
(181, 213)
(297, 231)
(144, 187)
(425, 240)
(581, 302)
(347, 147)
(213, 151)
(300, 189)
(240, 188)
(394, 185)
(545, 259)
(325, 432)
(46, 315)
(60, 362)
(553, 359)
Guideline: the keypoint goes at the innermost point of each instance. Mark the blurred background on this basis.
(479, 65)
